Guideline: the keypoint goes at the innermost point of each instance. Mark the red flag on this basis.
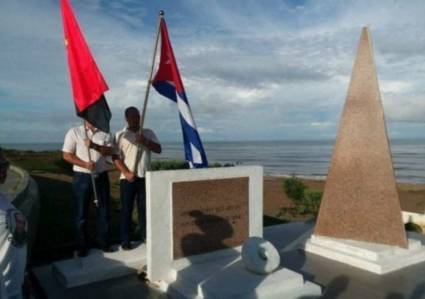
(87, 82)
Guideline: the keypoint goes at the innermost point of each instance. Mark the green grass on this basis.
(39, 161)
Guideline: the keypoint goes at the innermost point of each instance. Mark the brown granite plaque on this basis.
(360, 200)
(209, 215)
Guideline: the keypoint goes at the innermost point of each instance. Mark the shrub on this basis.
(229, 165)
(169, 165)
(294, 188)
(312, 201)
(305, 201)
(216, 164)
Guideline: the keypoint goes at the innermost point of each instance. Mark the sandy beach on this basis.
(412, 196)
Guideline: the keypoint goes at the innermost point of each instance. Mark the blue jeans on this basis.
(83, 194)
(129, 192)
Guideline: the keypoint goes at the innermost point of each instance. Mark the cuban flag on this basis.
(168, 83)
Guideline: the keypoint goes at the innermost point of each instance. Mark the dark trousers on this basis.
(131, 191)
(83, 194)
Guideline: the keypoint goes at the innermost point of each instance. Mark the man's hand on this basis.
(89, 165)
(150, 144)
(129, 176)
(105, 150)
(88, 143)
(140, 138)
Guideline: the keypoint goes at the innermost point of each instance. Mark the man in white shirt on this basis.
(13, 243)
(77, 140)
(131, 146)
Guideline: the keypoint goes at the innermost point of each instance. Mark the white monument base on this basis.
(228, 278)
(98, 266)
(376, 258)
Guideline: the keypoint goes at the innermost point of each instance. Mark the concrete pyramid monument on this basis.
(360, 220)
(360, 201)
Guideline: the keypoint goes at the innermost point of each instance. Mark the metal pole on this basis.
(145, 103)
(142, 119)
(93, 181)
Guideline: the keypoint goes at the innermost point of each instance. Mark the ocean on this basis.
(302, 158)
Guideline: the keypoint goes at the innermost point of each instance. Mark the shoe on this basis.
(126, 246)
(107, 249)
(82, 252)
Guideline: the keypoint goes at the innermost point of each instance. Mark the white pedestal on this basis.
(376, 258)
(159, 207)
(228, 278)
(98, 266)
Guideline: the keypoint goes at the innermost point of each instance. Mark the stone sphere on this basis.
(260, 256)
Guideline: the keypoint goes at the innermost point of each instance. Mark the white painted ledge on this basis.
(98, 266)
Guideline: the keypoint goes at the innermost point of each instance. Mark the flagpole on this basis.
(145, 103)
(93, 181)
(142, 119)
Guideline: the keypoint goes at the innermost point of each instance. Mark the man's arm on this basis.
(102, 149)
(74, 160)
(129, 175)
(150, 144)
(68, 151)
(118, 160)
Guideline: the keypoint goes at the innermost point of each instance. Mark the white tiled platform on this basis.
(376, 258)
(228, 278)
(338, 280)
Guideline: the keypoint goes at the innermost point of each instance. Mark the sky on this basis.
(252, 70)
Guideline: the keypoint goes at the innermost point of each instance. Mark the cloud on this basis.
(405, 108)
(397, 87)
(250, 72)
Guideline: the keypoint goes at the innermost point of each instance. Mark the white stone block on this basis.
(376, 258)
(98, 266)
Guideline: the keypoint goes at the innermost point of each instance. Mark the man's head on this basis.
(4, 166)
(132, 116)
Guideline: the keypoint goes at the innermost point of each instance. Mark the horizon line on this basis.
(227, 140)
